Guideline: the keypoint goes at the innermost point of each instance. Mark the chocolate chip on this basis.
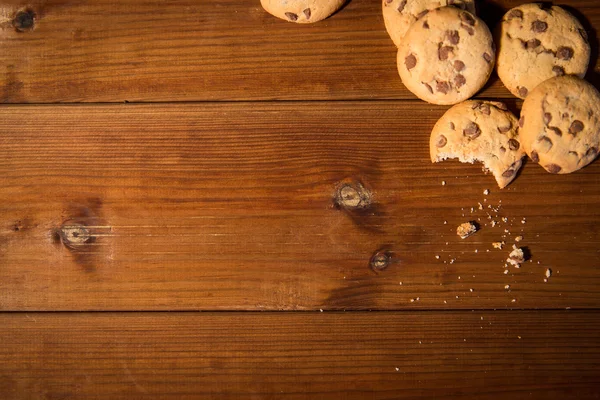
(565, 115)
(576, 127)
(402, 5)
(441, 141)
(487, 57)
(515, 14)
(442, 87)
(533, 43)
(388, 1)
(291, 16)
(534, 156)
(521, 121)
(539, 26)
(410, 61)
(459, 80)
(452, 125)
(307, 13)
(522, 91)
(453, 36)
(591, 152)
(558, 71)
(425, 25)
(472, 131)
(545, 144)
(467, 18)
(459, 65)
(467, 28)
(508, 173)
(553, 168)
(564, 53)
(513, 144)
(500, 105)
(547, 118)
(443, 52)
(504, 129)
(422, 13)
(484, 108)
(475, 105)
(555, 130)
(428, 86)
(502, 149)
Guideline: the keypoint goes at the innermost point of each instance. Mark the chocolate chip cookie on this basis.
(399, 15)
(536, 43)
(446, 56)
(560, 126)
(302, 11)
(479, 131)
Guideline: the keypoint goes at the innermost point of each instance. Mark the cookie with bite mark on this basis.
(484, 131)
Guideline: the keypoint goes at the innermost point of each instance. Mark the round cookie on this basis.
(302, 11)
(560, 124)
(399, 15)
(479, 131)
(536, 43)
(446, 56)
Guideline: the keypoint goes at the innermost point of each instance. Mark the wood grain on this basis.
(233, 206)
(184, 50)
(408, 355)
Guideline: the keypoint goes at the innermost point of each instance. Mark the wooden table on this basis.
(198, 200)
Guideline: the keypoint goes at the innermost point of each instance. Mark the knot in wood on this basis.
(353, 195)
(380, 260)
(24, 20)
(74, 234)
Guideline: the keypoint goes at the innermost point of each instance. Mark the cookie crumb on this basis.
(548, 272)
(486, 192)
(494, 223)
(445, 222)
(516, 257)
(466, 229)
(505, 272)
(452, 260)
(480, 206)
(506, 287)
(397, 369)
(437, 257)
(443, 183)
(518, 238)
(498, 245)
(523, 221)
(471, 290)
(513, 301)
(504, 219)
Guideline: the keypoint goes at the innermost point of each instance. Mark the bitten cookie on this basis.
(536, 43)
(302, 11)
(446, 56)
(479, 131)
(560, 127)
(399, 15)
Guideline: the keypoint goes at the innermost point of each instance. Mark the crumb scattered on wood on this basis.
(498, 245)
(516, 257)
(518, 238)
(548, 272)
(466, 229)
(486, 192)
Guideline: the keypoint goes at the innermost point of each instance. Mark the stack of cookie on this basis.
(446, 55)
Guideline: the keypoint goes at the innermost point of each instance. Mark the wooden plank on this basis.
(233, 206)
(139, 50)
(409, 355)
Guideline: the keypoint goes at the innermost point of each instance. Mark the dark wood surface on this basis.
(273, 167)
(139, 50)
(387, 355)
(233, 207)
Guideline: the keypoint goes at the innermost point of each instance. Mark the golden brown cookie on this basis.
(302, 11)
(536, 43)
(560, 124)
(479, 131)
(446, 56)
